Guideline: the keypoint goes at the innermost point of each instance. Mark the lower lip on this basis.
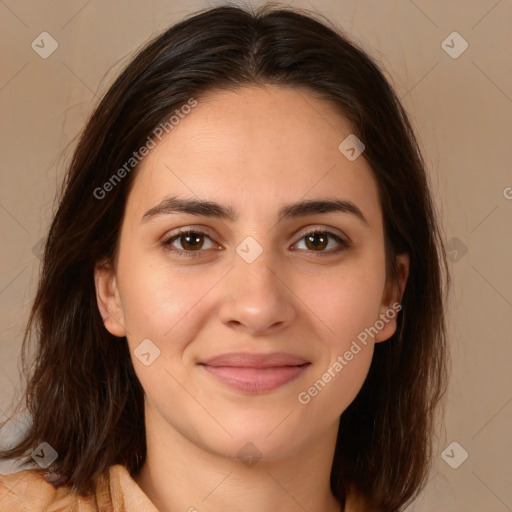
(256, 380)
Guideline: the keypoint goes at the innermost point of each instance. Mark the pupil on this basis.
(192, 239)
(321, 241)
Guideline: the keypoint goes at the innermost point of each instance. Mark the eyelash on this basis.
(192, 254)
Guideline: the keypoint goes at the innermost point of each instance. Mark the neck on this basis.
(180, 474)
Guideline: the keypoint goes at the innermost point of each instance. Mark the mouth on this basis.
(255, 373)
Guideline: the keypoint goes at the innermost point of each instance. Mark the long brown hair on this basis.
(82, 392)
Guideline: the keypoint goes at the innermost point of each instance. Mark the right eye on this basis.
(191, 241)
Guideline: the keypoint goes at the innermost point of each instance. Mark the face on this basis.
(268, 278)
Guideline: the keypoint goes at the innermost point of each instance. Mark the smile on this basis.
(256, 380)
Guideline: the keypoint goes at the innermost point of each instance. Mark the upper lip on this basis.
(248, 360)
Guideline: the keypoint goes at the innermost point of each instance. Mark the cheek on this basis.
(346, 307)
(348, 348)
(156, 303)
(329, 393)
(168, 306)
(166, 309)
(347, 301)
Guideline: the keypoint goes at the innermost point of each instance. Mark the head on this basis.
(240, 117)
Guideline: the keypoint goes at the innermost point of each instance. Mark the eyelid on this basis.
(202, 230)
(343, 241)
(175, 235)
(324, 229)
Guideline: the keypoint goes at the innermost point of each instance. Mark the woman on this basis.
(241, 302)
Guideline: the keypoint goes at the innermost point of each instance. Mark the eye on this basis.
(192, 242)
(317, 241)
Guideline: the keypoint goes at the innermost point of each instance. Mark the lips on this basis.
(255, 373)
(248, 360)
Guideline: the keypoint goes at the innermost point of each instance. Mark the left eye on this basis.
(320, 240)
(192, 241)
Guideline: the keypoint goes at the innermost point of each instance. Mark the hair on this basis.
(82, 391)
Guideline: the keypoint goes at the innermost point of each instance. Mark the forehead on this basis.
(254, 148)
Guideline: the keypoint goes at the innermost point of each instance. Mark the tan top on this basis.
(114, 491)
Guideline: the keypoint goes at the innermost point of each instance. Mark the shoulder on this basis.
(26, 490)
(114, 490)
(29, 491)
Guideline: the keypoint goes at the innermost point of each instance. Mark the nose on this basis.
(256, 298)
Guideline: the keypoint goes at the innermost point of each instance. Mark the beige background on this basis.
(461, 109)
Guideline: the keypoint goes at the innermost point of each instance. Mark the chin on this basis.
(257, 443)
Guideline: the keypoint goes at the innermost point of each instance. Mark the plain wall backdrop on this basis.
(460, 103)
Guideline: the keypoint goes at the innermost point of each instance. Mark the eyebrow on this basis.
(173, 204)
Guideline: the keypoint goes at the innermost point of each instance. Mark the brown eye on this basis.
(317, 241)
(191, 241)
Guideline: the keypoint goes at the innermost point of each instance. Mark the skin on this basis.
(255, 150)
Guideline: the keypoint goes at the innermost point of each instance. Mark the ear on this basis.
(109, 300)
(391, 299)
